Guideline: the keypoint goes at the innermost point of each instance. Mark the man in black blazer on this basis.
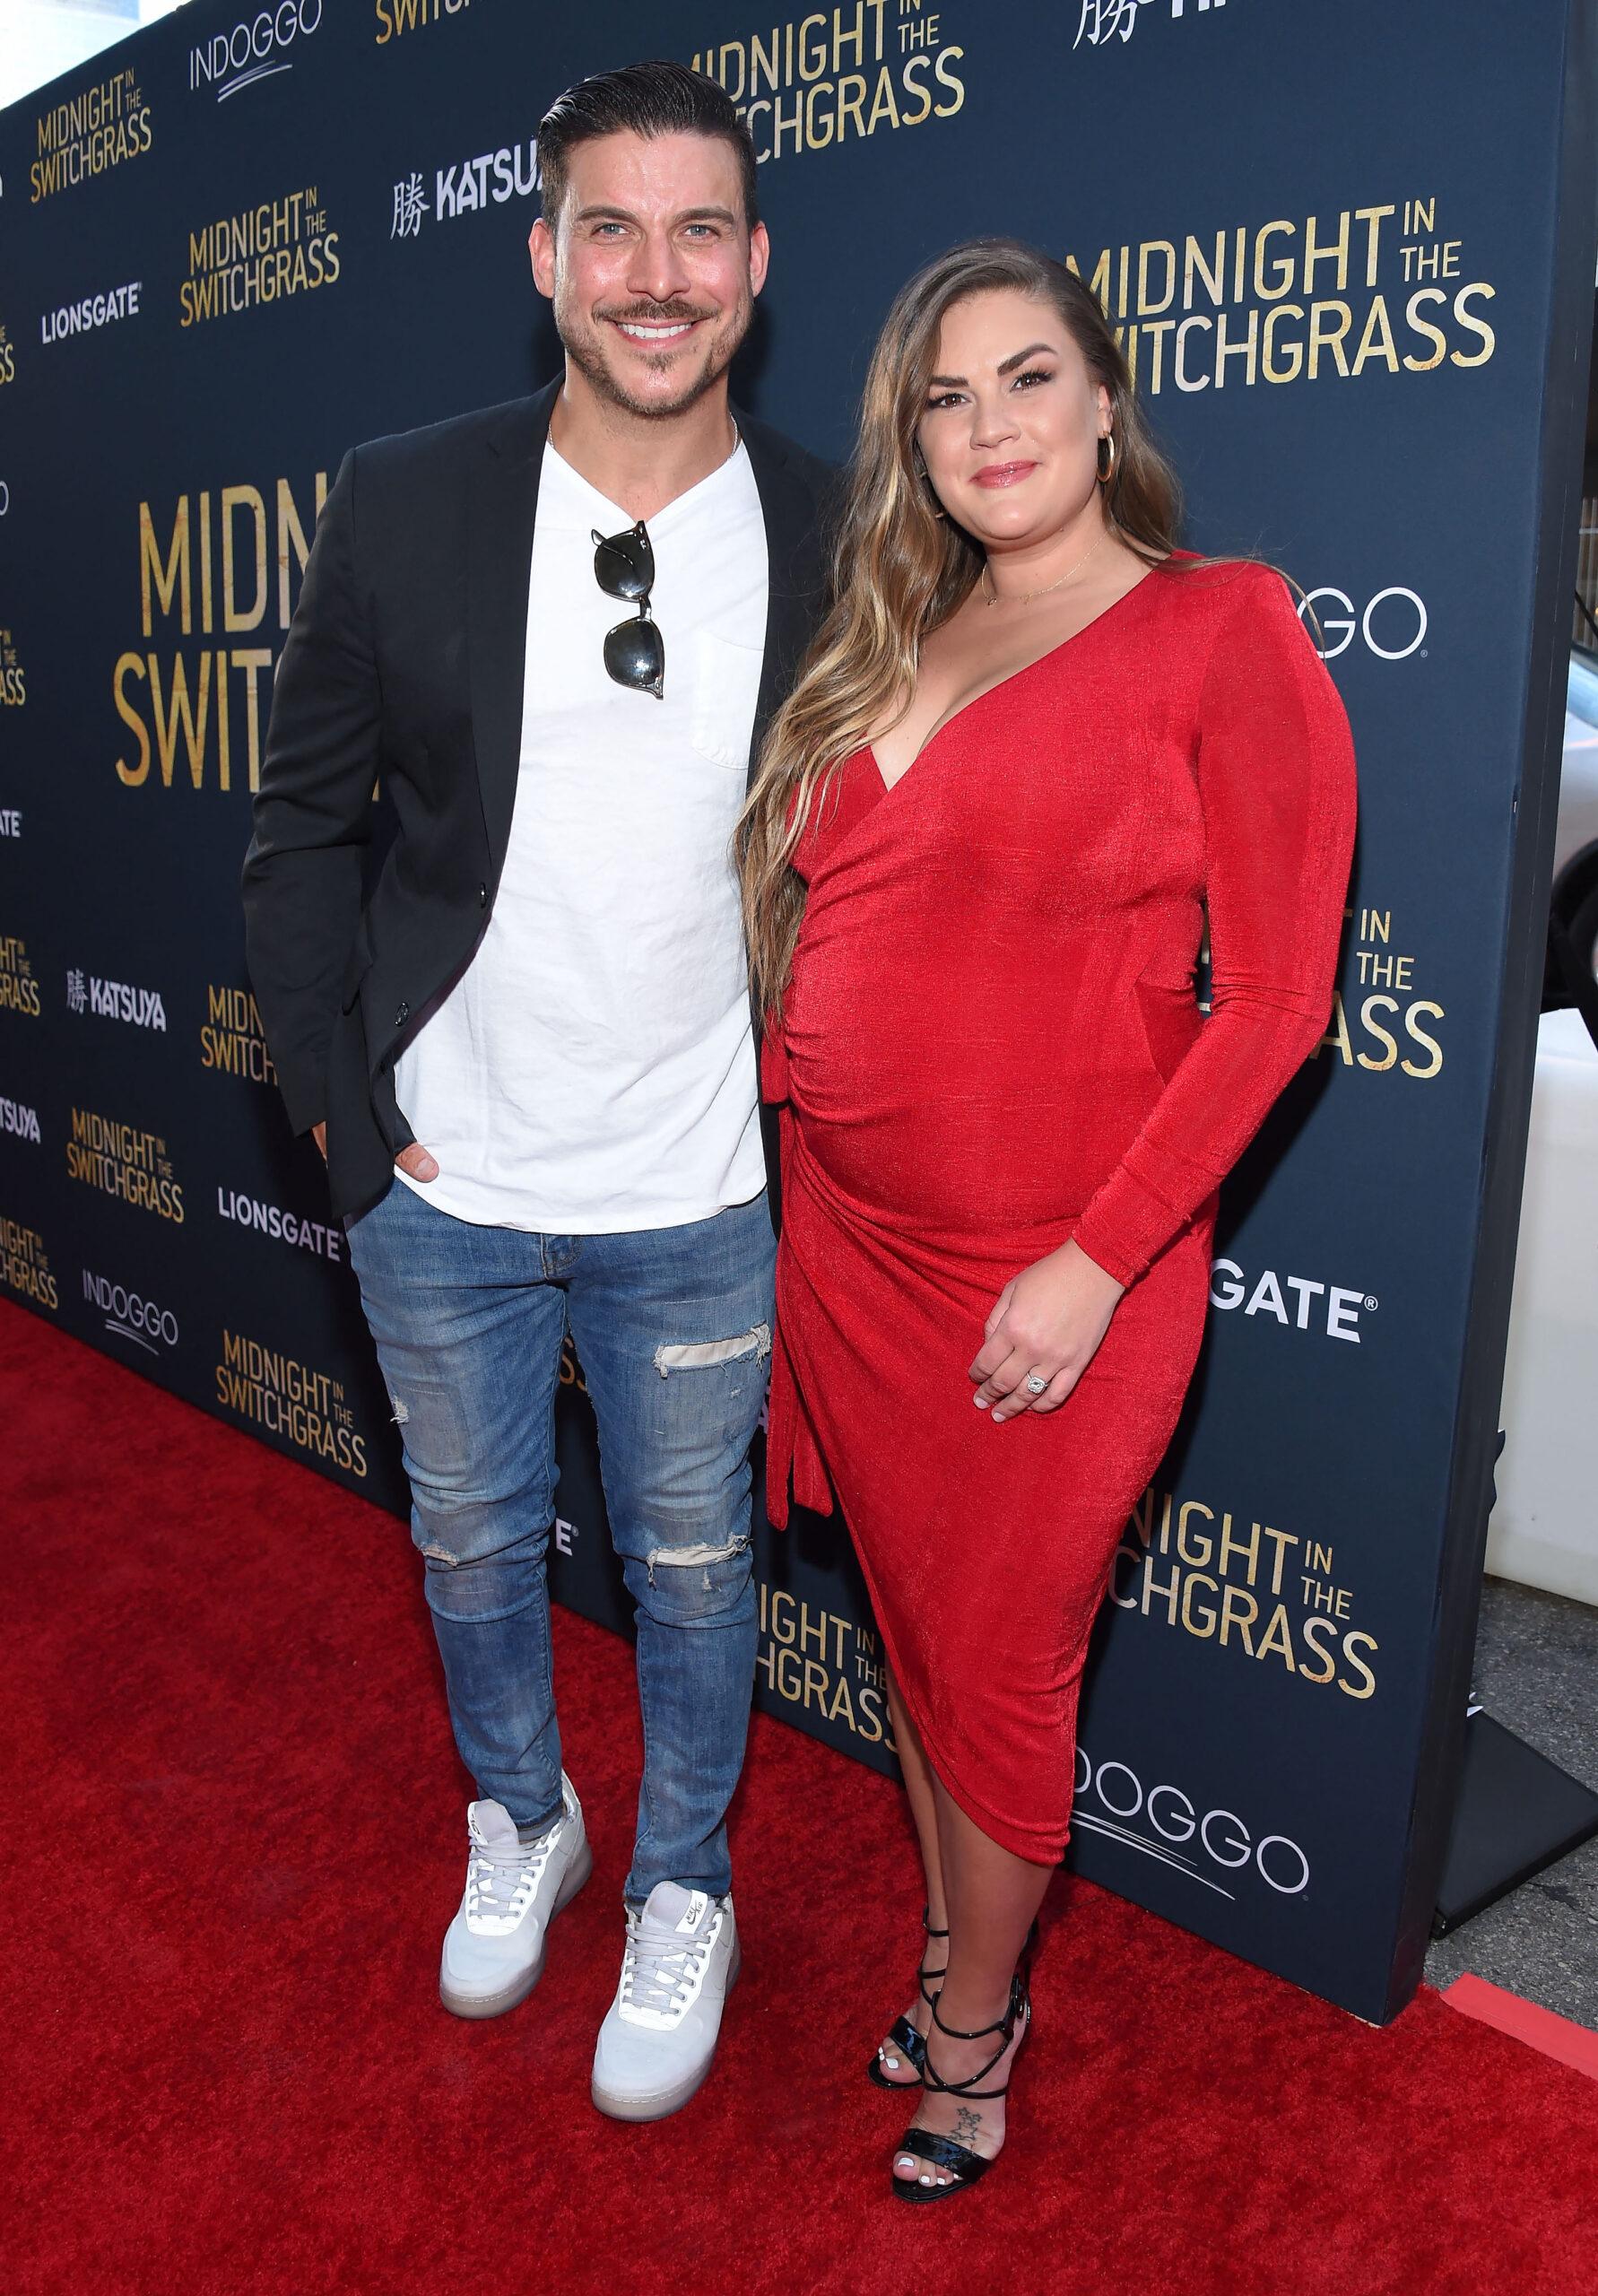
(556, 631)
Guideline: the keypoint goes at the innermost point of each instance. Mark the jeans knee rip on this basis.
(402, 1410)
(694, 1557)
(705, 1354)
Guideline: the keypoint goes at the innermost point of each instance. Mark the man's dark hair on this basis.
(659, 99)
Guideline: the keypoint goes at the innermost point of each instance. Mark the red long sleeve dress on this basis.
(990, 1043)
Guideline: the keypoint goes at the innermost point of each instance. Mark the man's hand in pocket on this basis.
(413, 1160)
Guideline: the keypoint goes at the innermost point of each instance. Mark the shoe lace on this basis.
(501, 1880)
(658, 1968)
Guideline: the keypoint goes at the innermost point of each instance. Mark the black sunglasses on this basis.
(634, 651)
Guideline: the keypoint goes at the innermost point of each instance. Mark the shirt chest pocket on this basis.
(726, 684)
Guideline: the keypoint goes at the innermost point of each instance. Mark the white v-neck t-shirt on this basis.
(592, 1070)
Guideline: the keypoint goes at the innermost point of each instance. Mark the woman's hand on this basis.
(1046, 1323)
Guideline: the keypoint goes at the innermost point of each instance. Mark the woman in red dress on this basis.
(1032, 748)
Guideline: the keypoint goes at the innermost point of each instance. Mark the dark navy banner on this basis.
(1350, 246)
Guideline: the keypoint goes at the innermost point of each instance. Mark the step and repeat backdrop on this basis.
(1349, 247)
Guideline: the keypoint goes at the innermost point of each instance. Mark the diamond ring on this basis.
(1035, 1383)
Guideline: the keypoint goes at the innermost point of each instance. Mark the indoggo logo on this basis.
(1393, 624)
(1164, 1823)
(129, 1316)
(255, 49)
(1332, 1309)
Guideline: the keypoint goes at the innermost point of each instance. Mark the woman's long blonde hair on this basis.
(900, 571)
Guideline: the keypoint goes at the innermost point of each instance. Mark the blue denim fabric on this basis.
(468, 1323)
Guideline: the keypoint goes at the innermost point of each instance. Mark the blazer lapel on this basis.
(502, 507)
(796, 574)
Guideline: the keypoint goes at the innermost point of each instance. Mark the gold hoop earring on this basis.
(923, 473)
(1106, 438)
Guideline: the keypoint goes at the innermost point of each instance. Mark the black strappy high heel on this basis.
(942, 2151)
(901, 2034)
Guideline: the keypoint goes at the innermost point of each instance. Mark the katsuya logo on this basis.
(465, 186)
(1103, 20)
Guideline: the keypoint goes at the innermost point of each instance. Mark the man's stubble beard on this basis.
(580, 342)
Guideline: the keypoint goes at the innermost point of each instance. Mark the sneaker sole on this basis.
(666, 2101)
(511, 1997)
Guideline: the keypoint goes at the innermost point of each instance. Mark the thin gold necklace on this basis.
(990, 596)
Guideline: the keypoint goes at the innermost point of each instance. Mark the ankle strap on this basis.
(931, 2078)
(1005, 2025)
(926, 1924)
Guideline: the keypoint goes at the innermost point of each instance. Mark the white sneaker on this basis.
(493, 1949)
(658, 2038)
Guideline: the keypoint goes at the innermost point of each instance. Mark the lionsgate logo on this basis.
(1331, 1311)
(282, 1227)
(256, 49)
(129, 1315)
(1163, 1823)
(116, 1000)
(91, 312)
(21, 1121)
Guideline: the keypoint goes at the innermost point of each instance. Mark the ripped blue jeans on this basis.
(672, 1329)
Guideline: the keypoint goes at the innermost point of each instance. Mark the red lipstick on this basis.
(1003, 473)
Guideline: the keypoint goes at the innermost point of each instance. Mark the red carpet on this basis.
(234, 1840)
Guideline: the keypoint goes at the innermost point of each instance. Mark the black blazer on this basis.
(404, 662)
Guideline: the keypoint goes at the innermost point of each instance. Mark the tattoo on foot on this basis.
(967, 2127)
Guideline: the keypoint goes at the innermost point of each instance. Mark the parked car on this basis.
(1576, 838)
(1544, 1526)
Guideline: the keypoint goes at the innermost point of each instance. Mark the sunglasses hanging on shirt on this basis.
(634, 651)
